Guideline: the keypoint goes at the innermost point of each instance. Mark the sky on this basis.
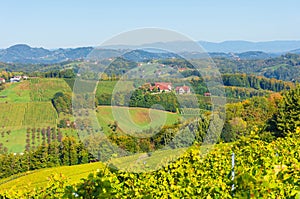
(74, 23)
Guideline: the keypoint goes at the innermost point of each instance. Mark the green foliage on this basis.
(143, 98)
(191, 175)
(256, 82)
(119, 67)
(286, 119)
(95, 186)
(250, 115)
(286, 67)
(67, 73)
(62, 102)
(263, 170)
(67, 152)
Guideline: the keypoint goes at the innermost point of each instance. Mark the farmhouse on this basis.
(182, 69)
(15, 79)
(207, 94)
(162, 86)
(183, 89)
(2, 81)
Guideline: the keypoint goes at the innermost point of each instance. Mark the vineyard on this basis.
(15, 118)
(262, 170)
(31, 114)
(45, 89)
(190, 112)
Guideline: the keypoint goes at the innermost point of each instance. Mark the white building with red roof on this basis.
(162, 86)
(183, 89)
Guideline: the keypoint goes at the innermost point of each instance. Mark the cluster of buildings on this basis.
(18, 78)
(14, 79)
(167, 87)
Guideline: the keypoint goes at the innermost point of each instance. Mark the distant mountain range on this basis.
(223, 47)
(243, 46)
(25, 54)
(22, 53)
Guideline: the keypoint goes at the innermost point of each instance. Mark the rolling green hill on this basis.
(138, 118)
(40, 177)
(42, 89)
(28, 105)
(107, 87)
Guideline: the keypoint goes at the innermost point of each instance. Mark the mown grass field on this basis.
(131, 119)
(107, 87)
(15, 141)
(16, 92)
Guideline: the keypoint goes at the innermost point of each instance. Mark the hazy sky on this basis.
(71, 23)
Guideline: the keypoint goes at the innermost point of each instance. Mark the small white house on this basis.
(183, 89)
(15, 79)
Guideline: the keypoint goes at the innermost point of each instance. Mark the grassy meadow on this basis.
(16, 92)
(107, 87)
(135, 118)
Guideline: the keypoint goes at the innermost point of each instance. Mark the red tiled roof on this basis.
(185, 88)
(162, 86)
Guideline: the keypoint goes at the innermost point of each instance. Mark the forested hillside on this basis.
(283, 67)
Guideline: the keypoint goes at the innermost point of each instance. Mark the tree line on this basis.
(69, 151)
